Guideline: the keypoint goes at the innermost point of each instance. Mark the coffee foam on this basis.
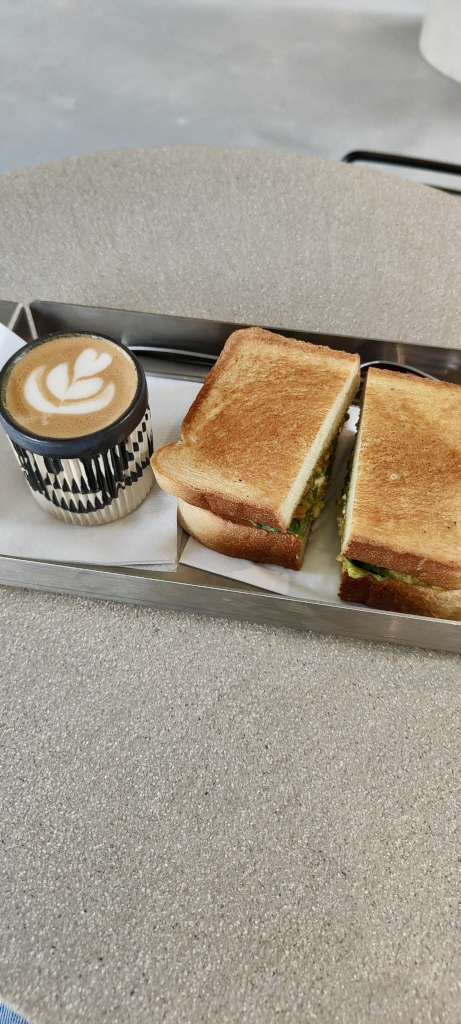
(70, 386)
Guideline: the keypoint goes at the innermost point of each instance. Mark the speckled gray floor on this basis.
(239, 235)
(210, 821)
(272, 835)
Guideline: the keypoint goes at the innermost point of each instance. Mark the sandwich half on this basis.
(400, 512)
(256, 450)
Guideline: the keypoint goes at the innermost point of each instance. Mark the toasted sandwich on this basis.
(400, 512)
(257, 446)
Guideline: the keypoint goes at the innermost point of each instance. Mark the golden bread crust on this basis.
(393, 596)
(240, 541)
(406, 511)
(239, 458)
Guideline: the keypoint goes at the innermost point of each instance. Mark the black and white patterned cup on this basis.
(92, 479)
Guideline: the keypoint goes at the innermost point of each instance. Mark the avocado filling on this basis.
(359, 569)
(311, 502)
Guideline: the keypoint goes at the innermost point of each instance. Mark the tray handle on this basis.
(396, 160)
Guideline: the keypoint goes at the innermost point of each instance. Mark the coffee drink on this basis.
(70, 386)
(75, 408)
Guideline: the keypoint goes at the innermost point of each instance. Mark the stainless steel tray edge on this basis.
(199, 341)
(197, 592)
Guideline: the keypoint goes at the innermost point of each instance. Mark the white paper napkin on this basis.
(147, 537)
(318, 579)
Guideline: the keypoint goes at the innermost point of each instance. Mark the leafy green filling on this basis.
(312, 499)
(314, 494)
(341, 502)
(360, 569)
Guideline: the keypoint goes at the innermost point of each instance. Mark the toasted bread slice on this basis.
(251, 439)
(392, 596)
(241, 541)
(404, 503)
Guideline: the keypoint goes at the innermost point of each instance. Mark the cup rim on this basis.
(86, 444)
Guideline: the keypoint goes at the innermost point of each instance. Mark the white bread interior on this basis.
(352, 485)
(327, 432)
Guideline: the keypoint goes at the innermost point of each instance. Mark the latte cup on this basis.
(75, 409)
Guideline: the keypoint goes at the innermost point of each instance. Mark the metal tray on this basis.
(186, 348)
(14, 316)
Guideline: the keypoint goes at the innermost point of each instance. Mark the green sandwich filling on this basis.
(311, 502)
(341, 502)
(357, 570)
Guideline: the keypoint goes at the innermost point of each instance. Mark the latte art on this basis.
(71, 392)
(70, 385)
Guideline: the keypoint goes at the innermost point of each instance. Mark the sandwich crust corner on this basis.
(240, 540)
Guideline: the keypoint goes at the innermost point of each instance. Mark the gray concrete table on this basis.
(212, 821)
